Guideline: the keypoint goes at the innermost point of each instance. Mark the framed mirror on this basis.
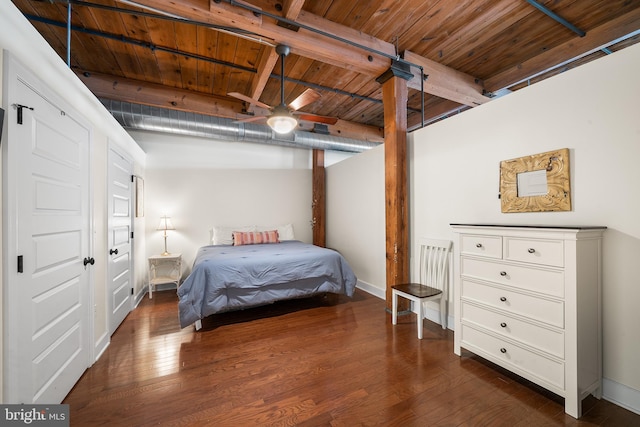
(536, 183)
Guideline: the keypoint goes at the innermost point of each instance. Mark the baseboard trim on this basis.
(369, 288)
(101, 346)
(621, 395)
(434, 316)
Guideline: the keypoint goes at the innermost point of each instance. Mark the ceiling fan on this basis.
(282, 118)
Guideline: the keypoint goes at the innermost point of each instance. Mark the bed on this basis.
(227, 277)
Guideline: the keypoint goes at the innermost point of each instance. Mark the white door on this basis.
(120, 206)
(46, 241)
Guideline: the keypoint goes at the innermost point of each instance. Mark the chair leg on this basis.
(394, 308)
(443, 313)
(420, 318)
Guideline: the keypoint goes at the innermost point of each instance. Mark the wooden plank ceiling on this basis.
(132, 51)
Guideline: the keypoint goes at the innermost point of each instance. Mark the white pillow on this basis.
(285, 232)
(223, 235)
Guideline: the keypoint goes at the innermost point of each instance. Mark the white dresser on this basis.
(529, 300)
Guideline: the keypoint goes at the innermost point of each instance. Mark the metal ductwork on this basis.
(143, 117)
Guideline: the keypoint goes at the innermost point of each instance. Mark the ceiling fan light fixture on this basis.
(281, 121)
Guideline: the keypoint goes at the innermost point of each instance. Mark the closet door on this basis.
(120, 206)
(46, 236)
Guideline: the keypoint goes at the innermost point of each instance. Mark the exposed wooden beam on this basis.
(266, 63)
(303, 42)
(395, 94)
(318, 203)
(292, 8)
(445, 82)
(351, 130)
(351, 35)
(441, 108)
(332, 50)
(567, 52)
(157, 95)
(269, 57)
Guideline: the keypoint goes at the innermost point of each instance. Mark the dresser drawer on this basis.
(535, 251)
(538, 279)
(512, 356)
(542, 309)
(545, 339)
(488, 246)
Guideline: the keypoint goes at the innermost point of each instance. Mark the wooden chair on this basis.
(434, 261)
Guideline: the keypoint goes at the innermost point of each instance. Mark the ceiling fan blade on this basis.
(245, 98)
(305, 98)
(317, 119)
(250, 119)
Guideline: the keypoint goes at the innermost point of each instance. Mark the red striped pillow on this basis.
(255, 237)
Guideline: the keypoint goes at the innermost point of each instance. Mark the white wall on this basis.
(356, 216)
(454, 178)
(19, 37)
(200, 183)
(166, 151)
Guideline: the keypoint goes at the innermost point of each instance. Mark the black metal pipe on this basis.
(258, 11)
(69, 35)
(557, 17)
(422, 97)
(139, 43)
(153, 47)
(396, 57)
(244, 32)
(161, 16)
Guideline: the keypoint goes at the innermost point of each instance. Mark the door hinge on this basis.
(133, 178)
(131, 291)
(20, 107)
(132, 234)
(20, 264)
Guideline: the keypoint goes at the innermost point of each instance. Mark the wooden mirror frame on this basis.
(558, 197)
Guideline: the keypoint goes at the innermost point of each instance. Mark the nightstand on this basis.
(164, 269)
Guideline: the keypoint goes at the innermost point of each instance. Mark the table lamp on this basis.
(165, 224)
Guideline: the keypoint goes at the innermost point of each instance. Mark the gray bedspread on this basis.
(226, 278)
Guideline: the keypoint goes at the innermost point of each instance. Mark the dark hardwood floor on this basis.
(329, 361)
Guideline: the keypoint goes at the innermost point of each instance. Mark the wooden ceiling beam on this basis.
(567, 52)
(265, 67)
(342, 49)
(302, 42)
(445, 82)
(157, 95)
(353, 130)
(292, 8)
(444, 107)
(269, 56)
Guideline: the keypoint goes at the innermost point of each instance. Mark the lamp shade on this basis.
(281, 121)
(165, 224)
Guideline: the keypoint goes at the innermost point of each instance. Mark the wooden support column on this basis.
(394, 97)
(318, 203)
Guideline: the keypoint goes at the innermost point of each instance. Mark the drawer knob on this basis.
(503, 350)
(503, 299)
(478, 245)
(504, 325)
(503, 273)
(531, 250)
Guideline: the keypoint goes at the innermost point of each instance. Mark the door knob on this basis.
(113, 251)
(88, 261)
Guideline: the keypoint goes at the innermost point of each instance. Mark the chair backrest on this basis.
(434, 259)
